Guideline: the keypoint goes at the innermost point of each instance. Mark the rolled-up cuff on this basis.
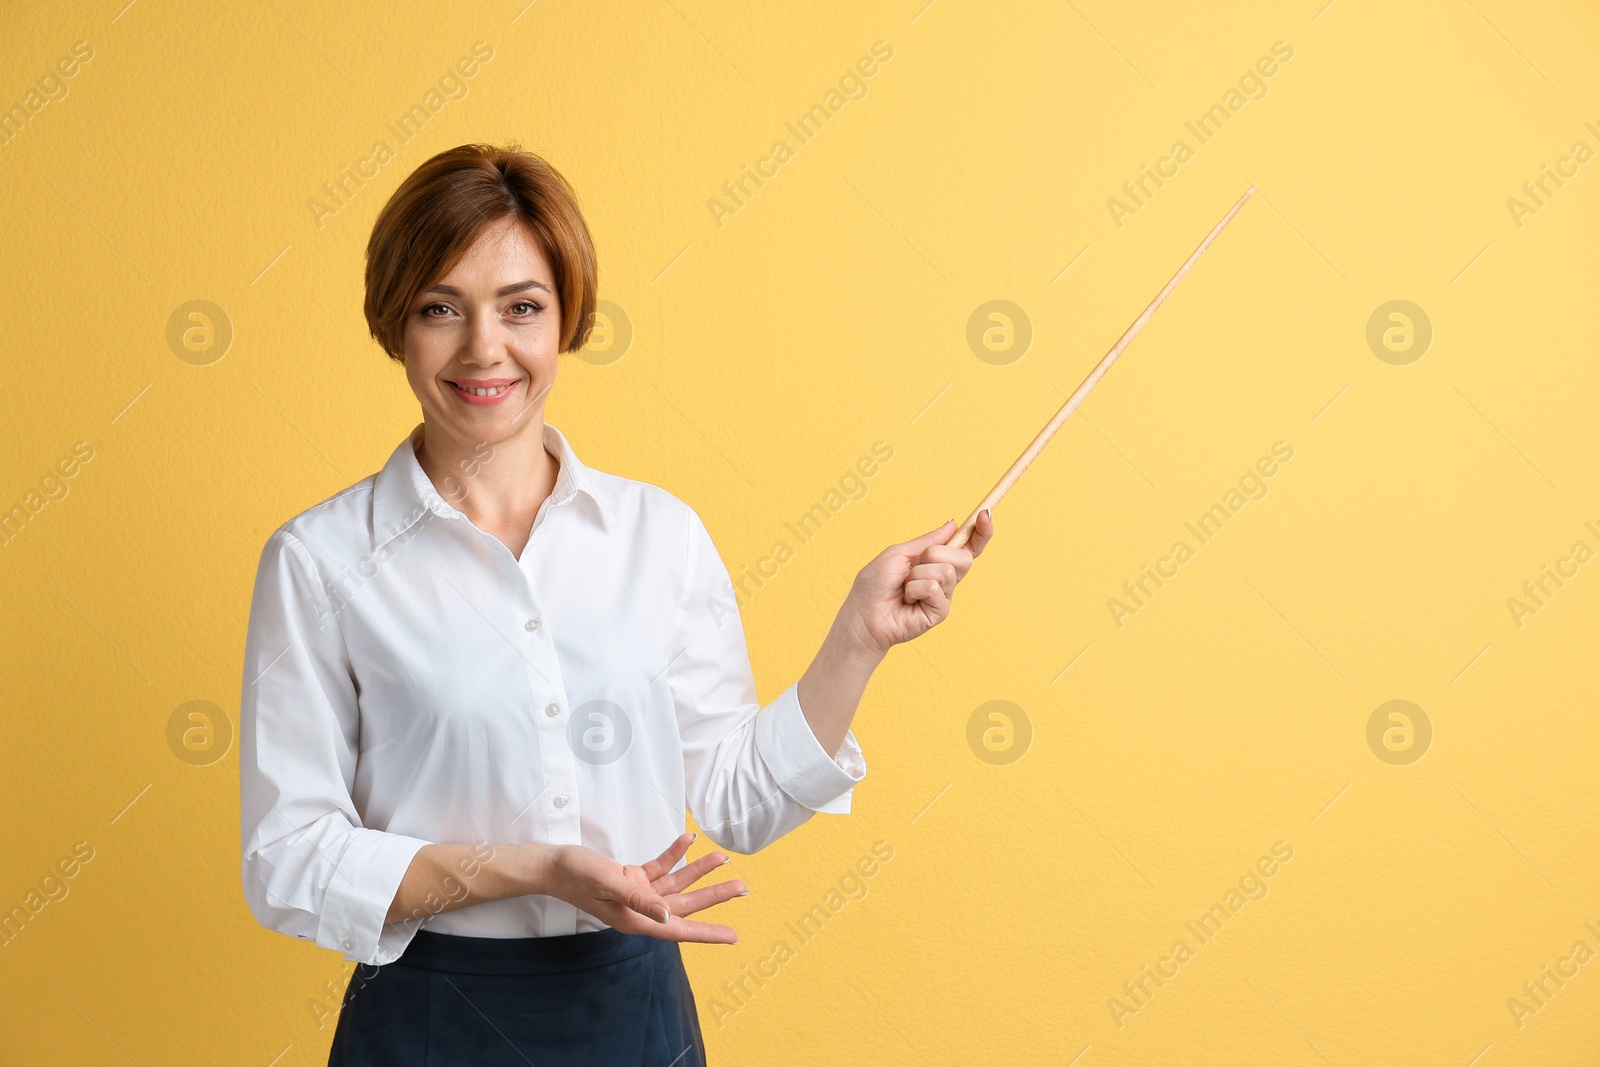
(358, 898)
(798, 761)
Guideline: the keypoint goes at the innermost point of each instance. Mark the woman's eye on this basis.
(520, 308)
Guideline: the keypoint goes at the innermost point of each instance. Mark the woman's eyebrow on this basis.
(515, 287)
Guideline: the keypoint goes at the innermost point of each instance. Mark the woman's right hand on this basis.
(643, 899)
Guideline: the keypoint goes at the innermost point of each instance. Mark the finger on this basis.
(956, 557)
(937, 536)
(689, 873)
(931, 593)
(668, 859)
(639, 898)
(678, 929)
(982, 530)
(695, 930)
(707, 896)
(946, 574)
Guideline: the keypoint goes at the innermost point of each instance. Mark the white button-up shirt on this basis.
(408, 680)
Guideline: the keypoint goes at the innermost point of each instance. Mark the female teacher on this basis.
(482, 685)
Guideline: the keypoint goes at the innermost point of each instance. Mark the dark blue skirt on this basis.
(604, 997)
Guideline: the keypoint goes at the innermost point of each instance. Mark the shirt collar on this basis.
(402, 492)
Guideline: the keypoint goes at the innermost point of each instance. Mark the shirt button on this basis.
(561, 800)
(552, 709)
(349, 945)
(531, 625)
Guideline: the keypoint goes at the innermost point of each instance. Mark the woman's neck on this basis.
(498, 485)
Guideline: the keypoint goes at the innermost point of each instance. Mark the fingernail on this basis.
(726, 859)
(664, 916)
(694, 838)
(736, 941)
(745, 893)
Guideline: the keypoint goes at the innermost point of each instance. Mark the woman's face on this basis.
(480, 345)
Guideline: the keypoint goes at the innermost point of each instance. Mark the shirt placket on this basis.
(546, 701)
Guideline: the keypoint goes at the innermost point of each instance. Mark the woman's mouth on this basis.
(484, 393)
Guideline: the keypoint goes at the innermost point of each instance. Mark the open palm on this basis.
(646, 898)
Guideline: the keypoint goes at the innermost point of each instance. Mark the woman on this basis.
(482, 685)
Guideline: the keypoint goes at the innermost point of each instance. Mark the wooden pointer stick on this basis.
(964, 532)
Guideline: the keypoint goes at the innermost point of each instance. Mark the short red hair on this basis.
(439, 210)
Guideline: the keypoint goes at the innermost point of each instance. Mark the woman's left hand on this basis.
(671, 885)
(906, 590)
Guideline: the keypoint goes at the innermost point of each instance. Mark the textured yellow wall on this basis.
(1224, 738)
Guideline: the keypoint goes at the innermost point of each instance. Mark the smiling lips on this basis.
(485, 392)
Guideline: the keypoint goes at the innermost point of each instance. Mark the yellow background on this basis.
(768, 355)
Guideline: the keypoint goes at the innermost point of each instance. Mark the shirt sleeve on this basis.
(310, 869)
(753, 773)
